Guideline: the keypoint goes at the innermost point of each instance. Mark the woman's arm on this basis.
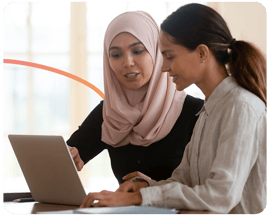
(108, 198)
(242, 134)
(87, 139)
(128, 193)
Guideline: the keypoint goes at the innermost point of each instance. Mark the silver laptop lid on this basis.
(48, 168)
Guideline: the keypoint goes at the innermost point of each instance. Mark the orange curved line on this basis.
(44, 67)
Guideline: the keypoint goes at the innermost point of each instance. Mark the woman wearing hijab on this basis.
(224, 165)
(143, 122)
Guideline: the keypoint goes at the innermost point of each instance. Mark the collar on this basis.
(219, 92)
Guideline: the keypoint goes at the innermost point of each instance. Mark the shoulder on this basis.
(245, 101)
(99, 107)
(101, 104)
(96, 113)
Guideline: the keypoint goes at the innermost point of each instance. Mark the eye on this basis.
(138, 51)
(169, 57)
(116, 55)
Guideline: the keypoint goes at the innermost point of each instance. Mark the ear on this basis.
(203, 52)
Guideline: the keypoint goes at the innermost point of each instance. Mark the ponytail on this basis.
(248, 66)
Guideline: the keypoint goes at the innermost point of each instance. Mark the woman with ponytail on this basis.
(223, 169)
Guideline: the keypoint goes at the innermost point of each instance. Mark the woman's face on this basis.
(181, 63)
(130, 61)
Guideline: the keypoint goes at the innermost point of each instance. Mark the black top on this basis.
(157, 161)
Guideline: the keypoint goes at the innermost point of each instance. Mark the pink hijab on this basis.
(144, 116)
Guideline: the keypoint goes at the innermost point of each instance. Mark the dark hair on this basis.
(195, 24)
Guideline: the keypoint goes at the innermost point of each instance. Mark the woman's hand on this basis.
(128, 186)
(76, 158)
(108, 198)
(132, 175)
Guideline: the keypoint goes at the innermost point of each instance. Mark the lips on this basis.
(174, 77)
(131, 75)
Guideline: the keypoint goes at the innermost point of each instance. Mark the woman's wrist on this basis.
(137, 198)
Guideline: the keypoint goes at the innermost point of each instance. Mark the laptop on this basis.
(48, 168)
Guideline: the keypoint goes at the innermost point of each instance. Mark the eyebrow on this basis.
(165, 51)
(131, 45)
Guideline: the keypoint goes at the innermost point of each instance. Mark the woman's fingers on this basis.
(89, 199)
(72, 151)
(86, 202)
(108, 198)
(76, 158)
(130, 176)
(125, 187)
(79, 163)
(132, 186)
(135, 174)
(101, 203)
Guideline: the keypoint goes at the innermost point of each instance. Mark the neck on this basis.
(211, 79)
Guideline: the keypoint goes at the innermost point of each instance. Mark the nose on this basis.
(128, 61)
(165, 67)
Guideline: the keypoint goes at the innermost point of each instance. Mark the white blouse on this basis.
(224, 165)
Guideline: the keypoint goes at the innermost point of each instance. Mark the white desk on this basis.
(34, 207)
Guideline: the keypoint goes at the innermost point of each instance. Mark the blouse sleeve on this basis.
(87, 139)
(242, 135)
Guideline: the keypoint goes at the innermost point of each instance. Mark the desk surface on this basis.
(34, 207)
